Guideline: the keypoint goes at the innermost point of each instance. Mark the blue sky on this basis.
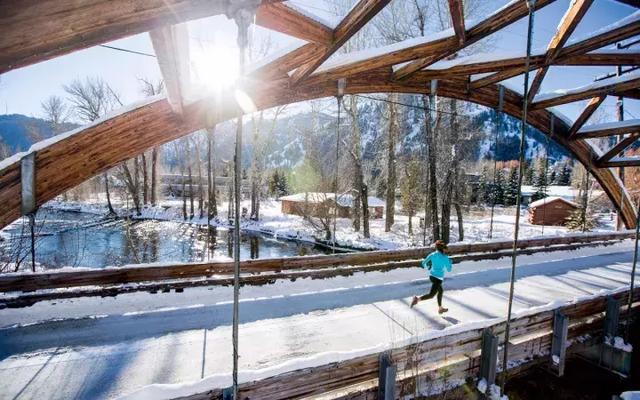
(22, 90)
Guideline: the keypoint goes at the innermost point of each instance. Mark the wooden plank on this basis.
(604, 130)
(418, 363)
(494, 23)
(618, 148)
(171, 45)
(589, 92)
(497, 77)
(588, 111)
(38, 30)
(359, 15)
(456, 9)
(282, 18)
(568, 24)
(621, 162)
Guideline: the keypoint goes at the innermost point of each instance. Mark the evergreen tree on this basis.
(482, 195)
(564, 177)
(498, 188)
(511, 188)
(540, 181)
(527, 179)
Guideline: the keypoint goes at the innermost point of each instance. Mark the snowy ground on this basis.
(98, 348)
(273, 222)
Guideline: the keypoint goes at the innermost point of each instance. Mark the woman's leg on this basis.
(436, 284)
(440, 292)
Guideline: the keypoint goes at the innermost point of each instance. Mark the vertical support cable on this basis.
(32, 226)
(633, 275)
(243, 19)
(525, 106)
(497, 123)
(546, 168)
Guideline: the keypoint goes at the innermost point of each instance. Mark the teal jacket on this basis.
(439, 262)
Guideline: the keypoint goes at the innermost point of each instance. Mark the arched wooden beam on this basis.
(95, 149)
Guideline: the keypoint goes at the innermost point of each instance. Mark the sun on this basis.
(214, 67)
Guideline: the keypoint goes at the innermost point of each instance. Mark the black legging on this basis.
(436, 288)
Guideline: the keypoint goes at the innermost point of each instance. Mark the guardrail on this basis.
(154, 277)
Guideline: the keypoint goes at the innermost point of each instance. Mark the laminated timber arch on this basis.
(97, 148)
(308, 72)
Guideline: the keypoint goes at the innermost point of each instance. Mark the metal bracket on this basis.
(386, 377)
(489, 356)
(559, 342)
(28, 183)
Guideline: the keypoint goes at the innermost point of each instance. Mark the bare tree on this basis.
(150, 88)
(91, 100)
(55, 112)
(392, 135)
(211, 175)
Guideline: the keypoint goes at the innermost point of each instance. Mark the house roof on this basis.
(345, 199)
(551, 199)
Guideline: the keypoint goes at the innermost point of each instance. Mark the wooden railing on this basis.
(431, 363)
(154, 277)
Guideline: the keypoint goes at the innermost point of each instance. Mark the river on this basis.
(66, 238)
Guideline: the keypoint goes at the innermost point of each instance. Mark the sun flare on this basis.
(214, 67)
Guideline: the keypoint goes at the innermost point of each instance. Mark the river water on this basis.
(75, 239)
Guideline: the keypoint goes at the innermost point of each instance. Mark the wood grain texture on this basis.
(282, 18)
(37, 30)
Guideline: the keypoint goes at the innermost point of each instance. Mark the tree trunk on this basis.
(211, 174)
(145, 180)
(458, 206)
(430, 136)
(106, 190)
(154, 176)
(391, 166)
(132, 183)
(200, 188)
(410, 224)
(365, 211)
(189, 172)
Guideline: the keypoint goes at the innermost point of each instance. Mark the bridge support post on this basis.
(612, 318)
(28, 183)
(559, 342)
(489, 357)
(386, 377)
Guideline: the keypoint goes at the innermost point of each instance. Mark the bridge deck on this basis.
(103, 348)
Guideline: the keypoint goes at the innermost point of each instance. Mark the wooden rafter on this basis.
(349, 26)
(588, 111)
(618, 148)
(279, 68)
(621, 162)
(568, 24)
(171, 45)
(456, 9)
(621, 30)
(602, 88)
(494, 23)
(497, 77)
(282, 18)
(607, 129)
(34, 31)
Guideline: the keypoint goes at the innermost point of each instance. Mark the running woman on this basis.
(436, 262)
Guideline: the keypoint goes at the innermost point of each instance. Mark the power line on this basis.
(127, 50)
(406, 105)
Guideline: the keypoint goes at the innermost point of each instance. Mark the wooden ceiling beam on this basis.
(608, 129)
(171, 45)
(621, 162)
(590, 91)
(632, 94)
(618, 148)
(567, 25)
(456, 9)
(584, 116)
(282, 18)
(279, 68)
(497, 77)
(359, 15)
(38, 30)
(494, 23)
(621, 30)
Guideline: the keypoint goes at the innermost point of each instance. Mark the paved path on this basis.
(102, 348)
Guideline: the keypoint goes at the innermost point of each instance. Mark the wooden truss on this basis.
(307, 72)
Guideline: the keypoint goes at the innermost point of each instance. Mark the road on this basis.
(98, 348)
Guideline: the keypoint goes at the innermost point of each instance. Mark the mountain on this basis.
(18, 132)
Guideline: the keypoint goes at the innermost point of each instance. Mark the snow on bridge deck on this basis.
(103, 348)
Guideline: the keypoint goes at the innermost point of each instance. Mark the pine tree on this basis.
(527, 179)
(498, 188)
(511, 188)
(482, 195)
(564, 177)
(540, 181)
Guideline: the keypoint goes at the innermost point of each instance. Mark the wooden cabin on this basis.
(551, 210)
(320, 204)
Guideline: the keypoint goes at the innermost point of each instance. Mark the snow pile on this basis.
(494, 393)
(482, 386)
(620, 344)
(555, 359)
(634, 395)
